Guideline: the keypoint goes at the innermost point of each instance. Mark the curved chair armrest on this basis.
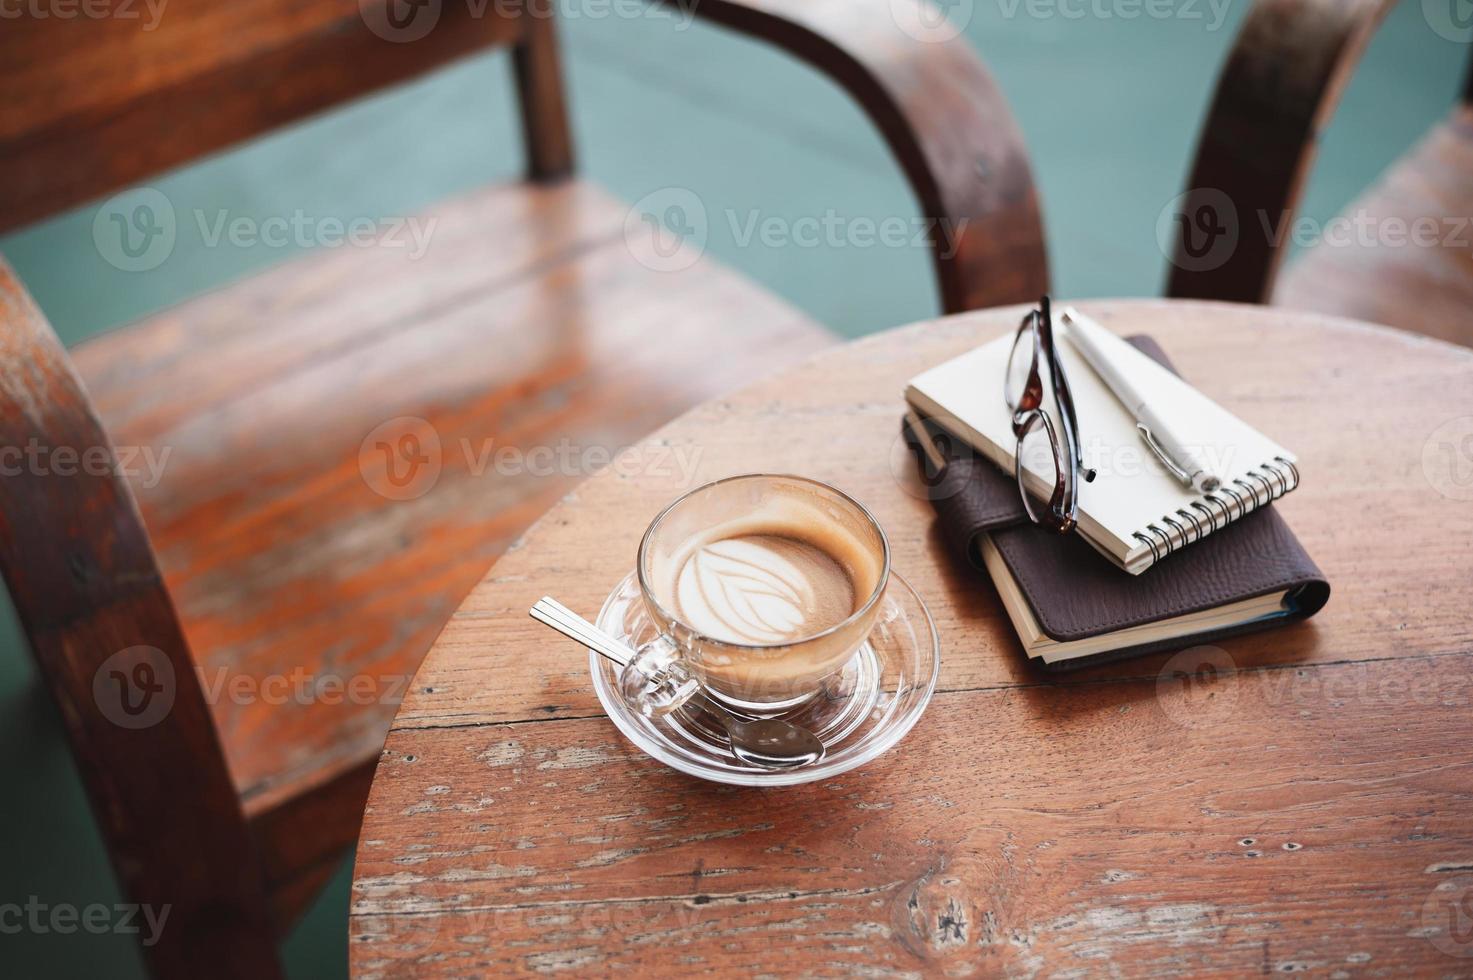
(89, 595)
(1282, 81)
(946, 122)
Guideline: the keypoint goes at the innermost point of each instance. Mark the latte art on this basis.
(762, 589)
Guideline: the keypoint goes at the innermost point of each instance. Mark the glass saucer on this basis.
(861, 712)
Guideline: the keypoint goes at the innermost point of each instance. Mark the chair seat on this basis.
(530, 340)
(1382, 274)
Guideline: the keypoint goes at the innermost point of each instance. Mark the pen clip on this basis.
(1166, 461)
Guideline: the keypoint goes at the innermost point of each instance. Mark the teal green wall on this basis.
(1110, 109)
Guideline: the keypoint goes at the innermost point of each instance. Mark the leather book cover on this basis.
(1074, 592)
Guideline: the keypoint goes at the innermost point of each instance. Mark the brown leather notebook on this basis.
(1072, 607)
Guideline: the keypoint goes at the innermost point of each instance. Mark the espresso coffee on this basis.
(762, 589)
(765, 584)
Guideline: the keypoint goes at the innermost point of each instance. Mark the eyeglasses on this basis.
(1040, 452)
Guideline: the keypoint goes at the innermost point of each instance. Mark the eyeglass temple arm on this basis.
(1062, 391)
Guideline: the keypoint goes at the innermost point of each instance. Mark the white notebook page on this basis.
(1132, 489)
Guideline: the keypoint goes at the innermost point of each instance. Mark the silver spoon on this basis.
(767, 742)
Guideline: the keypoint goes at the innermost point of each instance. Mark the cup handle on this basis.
(655, 680)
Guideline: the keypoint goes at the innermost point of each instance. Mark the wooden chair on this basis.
(1282, 82)
(202, 634)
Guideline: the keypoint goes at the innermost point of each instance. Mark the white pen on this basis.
(1157, 432)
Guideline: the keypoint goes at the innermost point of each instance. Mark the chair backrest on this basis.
(121, 89)
(88, 592)
(1289, 65)
(95, 102)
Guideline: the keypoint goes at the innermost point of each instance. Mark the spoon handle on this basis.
(553, 613)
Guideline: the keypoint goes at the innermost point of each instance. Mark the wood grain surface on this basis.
(88, 591)
(1306, 810)
(528, 328)
(274, 566)
(1410, 264)
(97, 102)
(285, 579)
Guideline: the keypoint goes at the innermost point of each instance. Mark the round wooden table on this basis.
(1309, 811)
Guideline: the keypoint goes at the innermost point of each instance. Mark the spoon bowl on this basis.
(768, 742)
(774, 744)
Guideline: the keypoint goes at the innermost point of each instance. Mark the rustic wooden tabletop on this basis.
(1308, 810)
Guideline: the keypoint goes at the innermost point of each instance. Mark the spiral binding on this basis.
(1259, 487)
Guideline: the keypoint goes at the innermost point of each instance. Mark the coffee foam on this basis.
(762, 589)
(796, 538)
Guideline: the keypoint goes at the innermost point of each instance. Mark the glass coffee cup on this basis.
(762, 587)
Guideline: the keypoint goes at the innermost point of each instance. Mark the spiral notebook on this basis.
(1070, 606)
(1135, 513)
